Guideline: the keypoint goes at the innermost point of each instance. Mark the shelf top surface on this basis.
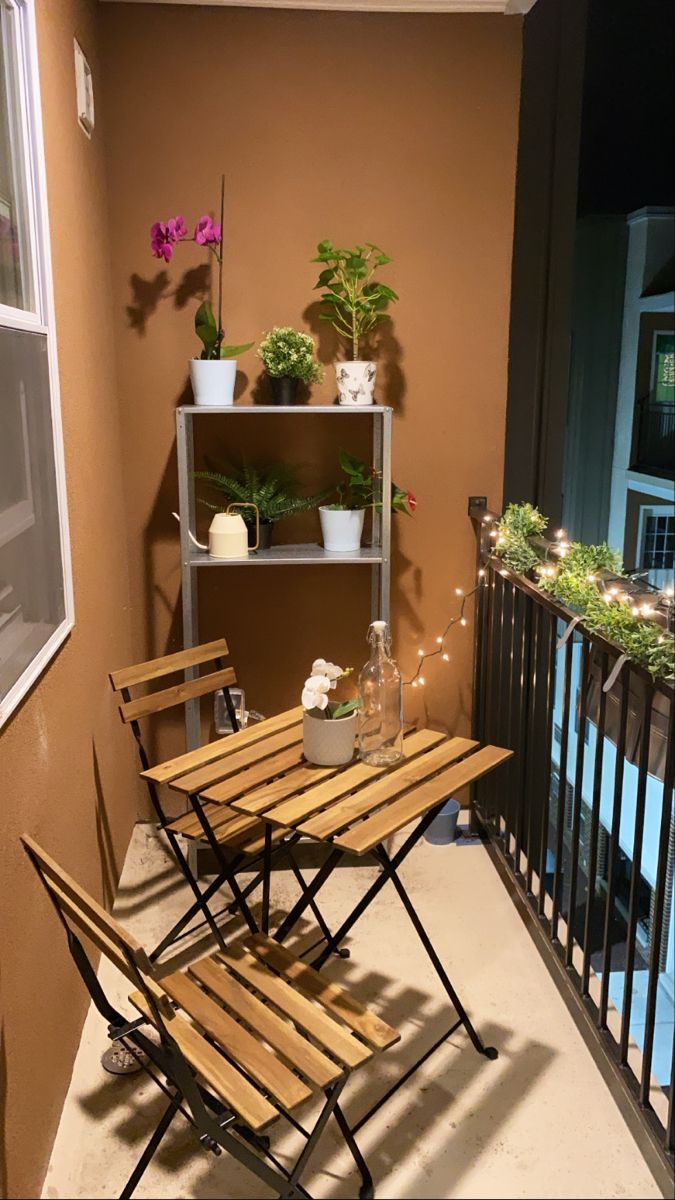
(289, 555)
(372, 409)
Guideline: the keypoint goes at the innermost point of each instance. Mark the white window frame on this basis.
(41, 320)
(652, 510)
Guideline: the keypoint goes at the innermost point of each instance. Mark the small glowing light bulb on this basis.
(592, 578)
(462, 620)
(414, 683)
(613, 591)
(481, 573)
(420, 653)
(493, 533)
(459, 592)
(421, 681)
(635, 611)
(504, 573)
(607, 598)
(560, 534)
(439, 641)
(446, 658)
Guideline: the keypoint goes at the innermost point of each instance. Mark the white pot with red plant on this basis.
(214, 373)
(328, 725)
(342, 522)
(354, 302)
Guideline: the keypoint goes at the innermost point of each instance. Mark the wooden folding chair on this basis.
(240, 844)
(237, 842)
(241, 1038)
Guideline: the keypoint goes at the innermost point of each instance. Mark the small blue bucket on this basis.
(443, 828)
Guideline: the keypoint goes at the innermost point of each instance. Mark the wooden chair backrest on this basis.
(190, 689)
(80, 910)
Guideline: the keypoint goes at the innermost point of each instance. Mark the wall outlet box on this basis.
(85, 91)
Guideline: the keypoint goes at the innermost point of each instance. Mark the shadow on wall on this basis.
(110, 872)
(148, 294)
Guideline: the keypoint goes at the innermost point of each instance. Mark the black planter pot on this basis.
(284, 389)
(266, 528)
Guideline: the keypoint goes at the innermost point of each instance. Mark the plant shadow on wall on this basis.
(148, 294)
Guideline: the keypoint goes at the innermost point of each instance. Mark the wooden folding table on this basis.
(353, 810)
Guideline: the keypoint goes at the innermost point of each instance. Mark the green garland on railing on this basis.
(575, 577)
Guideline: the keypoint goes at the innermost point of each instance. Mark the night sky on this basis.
(627, 155)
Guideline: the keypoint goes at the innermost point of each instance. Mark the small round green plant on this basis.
(287, 352)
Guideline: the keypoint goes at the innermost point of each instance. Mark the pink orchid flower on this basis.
(206, 232)
(164, 234)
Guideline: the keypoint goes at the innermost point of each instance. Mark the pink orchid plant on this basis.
(164, 237)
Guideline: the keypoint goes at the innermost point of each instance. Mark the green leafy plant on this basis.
(361, 488)
(519, 523)
(286, 352)
(206, 328)
(273, 489)
(353, 300)
(577, 576)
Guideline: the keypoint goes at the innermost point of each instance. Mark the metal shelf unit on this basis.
(377, 555)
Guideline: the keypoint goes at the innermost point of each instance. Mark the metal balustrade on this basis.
(582, 820)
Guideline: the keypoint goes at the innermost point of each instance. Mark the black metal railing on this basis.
(655, 440)
(582, 818)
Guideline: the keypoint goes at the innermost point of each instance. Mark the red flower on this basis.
(411, 501)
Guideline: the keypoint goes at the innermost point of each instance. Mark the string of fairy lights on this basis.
(611, 592)
(417, 679)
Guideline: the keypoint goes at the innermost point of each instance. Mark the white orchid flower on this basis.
(331, 671)
(314, 692)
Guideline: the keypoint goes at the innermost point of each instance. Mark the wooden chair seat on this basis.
(300, 1033)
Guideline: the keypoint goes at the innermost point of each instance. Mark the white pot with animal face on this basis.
(356, 381)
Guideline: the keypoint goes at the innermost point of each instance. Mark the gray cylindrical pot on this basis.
(328, 743)
(443, 829)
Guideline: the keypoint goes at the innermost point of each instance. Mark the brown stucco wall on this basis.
(394, 128)
(65, 761)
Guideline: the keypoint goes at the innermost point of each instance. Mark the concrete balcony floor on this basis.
(539, 1121)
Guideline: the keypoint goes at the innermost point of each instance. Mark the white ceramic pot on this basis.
(341, 528)
(328, 743)
(213, 380)
(355, 381)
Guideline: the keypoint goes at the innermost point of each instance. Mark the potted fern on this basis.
(354, 302)
(273, 489)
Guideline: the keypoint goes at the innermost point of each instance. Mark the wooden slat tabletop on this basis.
(261, 773)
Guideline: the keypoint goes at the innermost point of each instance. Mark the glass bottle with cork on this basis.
(380, 736)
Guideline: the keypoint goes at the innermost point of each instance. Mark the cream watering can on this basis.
(228, 535)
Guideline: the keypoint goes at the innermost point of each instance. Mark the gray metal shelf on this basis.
(377, 555)
(293, 555)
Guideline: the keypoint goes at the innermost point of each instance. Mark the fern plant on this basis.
(273, 489)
